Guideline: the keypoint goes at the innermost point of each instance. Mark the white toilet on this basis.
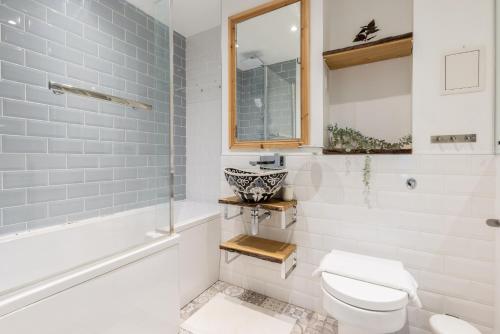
(378, 307)
(445, 324)
(363, 308)
(367, 295)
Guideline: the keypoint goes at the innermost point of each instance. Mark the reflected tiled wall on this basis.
(179, 116)
(251, 91)
(250, 114)
(64, 157)
(282, 79)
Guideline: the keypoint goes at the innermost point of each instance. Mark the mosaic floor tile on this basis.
(308, 322)
(252, 297)
(274, 305)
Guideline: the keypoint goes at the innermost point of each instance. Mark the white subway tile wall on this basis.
(438, 230)
(203, 72)
(65, 157)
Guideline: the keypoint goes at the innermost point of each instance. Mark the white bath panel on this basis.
(227, 315)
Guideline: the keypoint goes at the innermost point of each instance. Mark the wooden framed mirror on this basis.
(269, 76)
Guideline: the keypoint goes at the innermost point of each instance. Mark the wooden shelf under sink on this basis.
(383, 49)
(272, 205)
(264, 249)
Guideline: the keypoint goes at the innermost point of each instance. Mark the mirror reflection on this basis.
(268, 75)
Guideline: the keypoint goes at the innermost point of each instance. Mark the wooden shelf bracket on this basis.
(288, 217)
(262, 211)
(226, 213)
(228, 258)
(289, 265)
(282, 253)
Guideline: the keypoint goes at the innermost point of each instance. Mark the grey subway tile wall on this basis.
(65, 157)
(252, 104)
(179, 115)
(250, 113)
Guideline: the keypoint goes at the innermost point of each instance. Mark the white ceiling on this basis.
(189, 16)
(269, 36)
(194, 16)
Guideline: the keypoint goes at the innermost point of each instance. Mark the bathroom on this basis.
(249, 166)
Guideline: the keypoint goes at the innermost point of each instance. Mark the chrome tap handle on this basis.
(275, 161)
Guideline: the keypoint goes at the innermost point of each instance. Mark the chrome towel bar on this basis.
(58, 88)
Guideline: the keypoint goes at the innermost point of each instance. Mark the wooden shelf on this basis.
(340, 152)
(271, 205)
(264, 249)
(383, 49)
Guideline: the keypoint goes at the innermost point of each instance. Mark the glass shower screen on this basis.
(86, 124)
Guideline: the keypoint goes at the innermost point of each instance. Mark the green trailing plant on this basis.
(351, 140)
(366, 178)
(367, 172)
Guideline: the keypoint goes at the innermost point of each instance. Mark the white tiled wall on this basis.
(437, 230)
(203, 128)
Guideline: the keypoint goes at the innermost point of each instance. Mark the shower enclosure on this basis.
(86, 163)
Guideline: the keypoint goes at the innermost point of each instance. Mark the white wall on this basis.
(439, 26)
(203, 115)
(345, 17)
(497, 251)
(436, 230)
(442, 26)
(374, 98)
(231, 7)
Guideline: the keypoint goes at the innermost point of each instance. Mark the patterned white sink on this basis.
(255, 186)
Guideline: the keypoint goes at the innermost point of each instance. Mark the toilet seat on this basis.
(372, 322)
(364, 295)
(445, 324)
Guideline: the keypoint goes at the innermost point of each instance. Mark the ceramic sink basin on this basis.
(255, 186)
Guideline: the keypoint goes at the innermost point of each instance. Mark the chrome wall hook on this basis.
(493, 223)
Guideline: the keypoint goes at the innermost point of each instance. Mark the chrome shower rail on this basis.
(58, 88)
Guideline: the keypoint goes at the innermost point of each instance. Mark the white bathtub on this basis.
(198, 225)
(107, 275)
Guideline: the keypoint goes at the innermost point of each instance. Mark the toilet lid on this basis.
(445, 324)
(364, 295)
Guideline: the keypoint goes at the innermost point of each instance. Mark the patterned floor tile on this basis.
(252, 297)
(274, 305)
(308, 322)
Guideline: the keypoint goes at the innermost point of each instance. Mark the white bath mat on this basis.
(228, 315)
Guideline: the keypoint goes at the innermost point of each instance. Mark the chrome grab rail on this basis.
(58, 88)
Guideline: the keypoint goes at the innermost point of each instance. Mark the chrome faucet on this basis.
(276, 161)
